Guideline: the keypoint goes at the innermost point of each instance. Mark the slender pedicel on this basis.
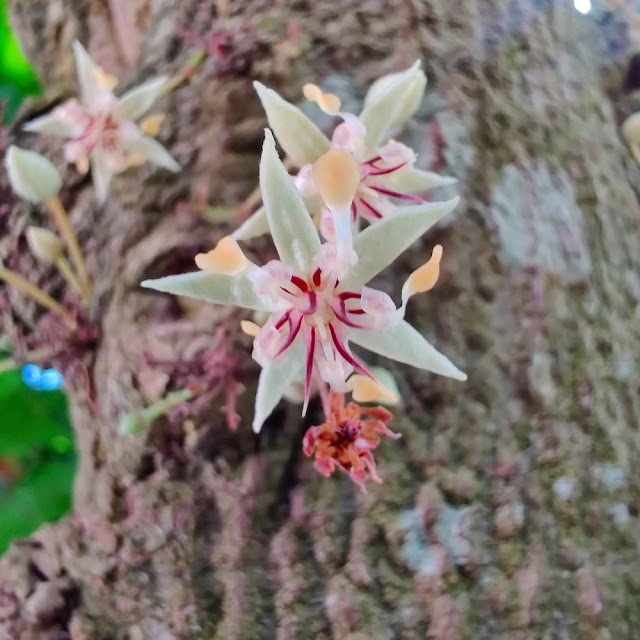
(37, 294)
(68, 235)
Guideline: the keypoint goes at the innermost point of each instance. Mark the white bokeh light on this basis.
(583, 6)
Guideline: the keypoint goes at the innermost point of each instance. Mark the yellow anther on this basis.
(134, 160)
(337, 176)
(364, 389)
(250, 328)
(328, 102)
(424, 278)
(151, 124)
(105, 80)
(226, 257)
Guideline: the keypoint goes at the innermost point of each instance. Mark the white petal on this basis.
(291, 227)
(383, 241)
(412, 99)
(219, 288)
(101, 175)
(154, 152)
(301, 140)
(403, 343)
(381, 113)
(135, 102)
(413, 180)
(254, 226)
(51, 124)
(87, 74)
(275, 380)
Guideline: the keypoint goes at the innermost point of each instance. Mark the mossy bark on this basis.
(509, 508)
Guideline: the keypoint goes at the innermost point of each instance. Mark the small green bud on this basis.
(32, 176)
(44, 244)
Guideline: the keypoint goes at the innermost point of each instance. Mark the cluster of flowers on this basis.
(356, 191)
(359, 188)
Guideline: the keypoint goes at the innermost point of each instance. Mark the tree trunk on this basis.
(509, 508)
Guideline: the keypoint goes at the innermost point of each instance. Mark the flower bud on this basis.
(44, 244)
(32, 176)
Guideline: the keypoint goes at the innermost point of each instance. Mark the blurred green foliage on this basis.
(17, 79)
(37, 457)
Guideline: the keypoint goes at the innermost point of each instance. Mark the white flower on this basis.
(385, 173)
(101, 129)
(317, 295)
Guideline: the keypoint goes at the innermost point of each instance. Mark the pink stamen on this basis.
(383, 172)
(354, 212)
(346, 355)
(371, 209)
(293, 333)
(282, 320)
(313, 303)
(300, 283)
(399, 196)
(317, 277)
(307, 381)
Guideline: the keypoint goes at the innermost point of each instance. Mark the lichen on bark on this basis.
(191, 531)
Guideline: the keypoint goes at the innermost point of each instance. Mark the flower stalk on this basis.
(136, 422)
(37, 294)
(68, 235)
(186, 72)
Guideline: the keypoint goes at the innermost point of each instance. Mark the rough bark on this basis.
(509, 508)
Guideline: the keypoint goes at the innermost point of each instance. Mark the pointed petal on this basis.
(413, 180)
(137, 101)
(154, 152)
(291, 227)
(51, 124)
(301, 140)
(254, 226)
(101, 175)
(412, 99)
(218, 288)
(403, 343)
(88, 72)
(274, 381)
(379, 115)
(382, 242)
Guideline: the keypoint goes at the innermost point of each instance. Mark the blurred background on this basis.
(37, 458)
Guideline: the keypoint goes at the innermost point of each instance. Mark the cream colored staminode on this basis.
(226, 257)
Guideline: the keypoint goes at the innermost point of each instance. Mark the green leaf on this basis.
(403, 343)
(291, 227)
(301, 140)
(382, 242)
(42, 496)
(30, 419)
(219, 288)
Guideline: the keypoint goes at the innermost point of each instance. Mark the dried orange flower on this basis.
(347, 438)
